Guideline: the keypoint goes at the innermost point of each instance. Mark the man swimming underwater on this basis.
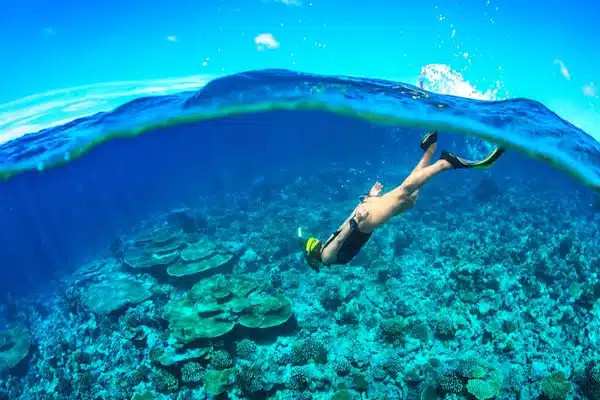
(376, 208)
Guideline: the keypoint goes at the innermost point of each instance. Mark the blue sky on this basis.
(546, 51)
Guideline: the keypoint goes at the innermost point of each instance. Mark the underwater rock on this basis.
(591, 382)
(444, 327)
(429, 392)
(111, 295)
(402, 240)
(215, 305)
(218, 382)
(486, 190)
(14, 347)
(139, 337)
(420, 331)
(360, 383)
(189, 221)
(170, 357)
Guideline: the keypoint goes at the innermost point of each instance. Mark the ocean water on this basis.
(150, 252)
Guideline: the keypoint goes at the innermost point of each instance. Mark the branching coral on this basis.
(310, 349)
(556, 386)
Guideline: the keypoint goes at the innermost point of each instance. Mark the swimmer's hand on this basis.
(361, 214)
(376, 189)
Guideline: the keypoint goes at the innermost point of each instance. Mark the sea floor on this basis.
(488, 292)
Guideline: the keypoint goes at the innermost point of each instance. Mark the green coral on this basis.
(471, 368)
(483, 380)
(420, 331)
(360, 383)
(199, 250)
(144, 259)
(392, 329)
(143, 396)
(219, 382)
(215, 305)
(556, 386)
(482, 389)
(214, 262)
(429, 393)
(155, 248)
(114, 293)
(157, 236)
(342, 394)
(14, 347)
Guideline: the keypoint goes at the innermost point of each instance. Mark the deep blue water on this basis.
(59, 218)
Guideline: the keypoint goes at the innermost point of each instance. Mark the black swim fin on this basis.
(429, 139)
(458, 163)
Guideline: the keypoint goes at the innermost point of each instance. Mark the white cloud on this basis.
(266, 41)
(590, 90)
(172, 38)
(563, 69)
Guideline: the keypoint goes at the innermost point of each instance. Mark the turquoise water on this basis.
(151, 251)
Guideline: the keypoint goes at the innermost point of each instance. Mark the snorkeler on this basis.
(376, 208)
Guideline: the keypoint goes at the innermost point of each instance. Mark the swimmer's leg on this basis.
(401, 198)
(419, 177)
(429, 145)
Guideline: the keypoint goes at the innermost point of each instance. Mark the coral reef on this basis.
(500, 304)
